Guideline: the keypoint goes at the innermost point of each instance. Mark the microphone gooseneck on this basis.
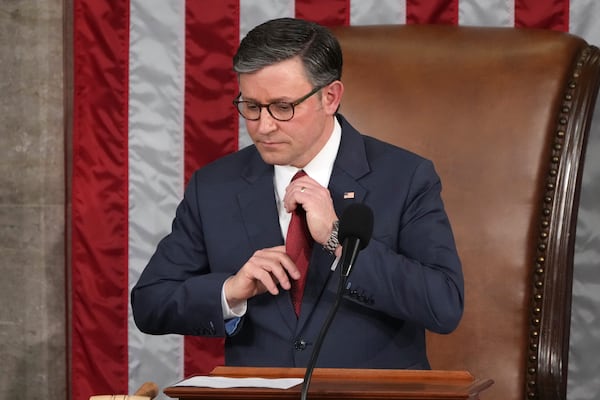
(356, 228)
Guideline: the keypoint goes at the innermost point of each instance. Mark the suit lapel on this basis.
(319, 271)
(350, 165)
(258, 208)
(261, 221)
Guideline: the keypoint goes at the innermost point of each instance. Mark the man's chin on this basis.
(274, 159)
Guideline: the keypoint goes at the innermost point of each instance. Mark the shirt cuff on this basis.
(232, 312)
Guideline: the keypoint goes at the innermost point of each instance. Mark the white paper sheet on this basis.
(220, 382)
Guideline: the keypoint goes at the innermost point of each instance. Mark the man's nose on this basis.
(266, 123)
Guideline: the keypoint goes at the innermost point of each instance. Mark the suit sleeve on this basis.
(176, 292)
(411, 270)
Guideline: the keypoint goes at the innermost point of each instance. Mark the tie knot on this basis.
(299, 174)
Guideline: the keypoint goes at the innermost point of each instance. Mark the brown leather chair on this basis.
(504, 114)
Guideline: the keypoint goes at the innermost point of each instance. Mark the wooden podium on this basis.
(330, 384)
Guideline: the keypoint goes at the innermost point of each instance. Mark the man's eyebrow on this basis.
(280, 99)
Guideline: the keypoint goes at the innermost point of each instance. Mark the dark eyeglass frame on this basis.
(293, 104)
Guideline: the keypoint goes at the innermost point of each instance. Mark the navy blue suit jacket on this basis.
(408, 279)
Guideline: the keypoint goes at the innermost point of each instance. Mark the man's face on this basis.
(297, 141)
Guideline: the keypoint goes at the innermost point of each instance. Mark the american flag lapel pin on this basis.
(348, 195)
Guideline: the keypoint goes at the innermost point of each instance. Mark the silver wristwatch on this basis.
(333, 242)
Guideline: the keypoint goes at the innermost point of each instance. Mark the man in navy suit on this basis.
(223, 270)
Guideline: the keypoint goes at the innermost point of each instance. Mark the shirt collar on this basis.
(319, 168)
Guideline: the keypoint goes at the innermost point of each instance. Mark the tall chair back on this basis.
(504, 114)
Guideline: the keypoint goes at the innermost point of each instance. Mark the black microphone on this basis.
(356, 228)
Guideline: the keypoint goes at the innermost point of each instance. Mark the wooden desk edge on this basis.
(471, 387)
(346, 373)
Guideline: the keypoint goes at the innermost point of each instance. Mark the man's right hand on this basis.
(266, 270)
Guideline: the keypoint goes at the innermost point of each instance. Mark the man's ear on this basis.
(332, 96)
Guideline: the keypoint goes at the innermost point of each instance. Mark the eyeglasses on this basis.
(279, 110)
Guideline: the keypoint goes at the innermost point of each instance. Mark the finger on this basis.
(282, 268)
(301, 184)
(298, 194)
(286, 262)
(274, 267)
(284, 271)
(264, 277)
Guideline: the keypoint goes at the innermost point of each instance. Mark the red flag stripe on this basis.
(328, 13)
(99, 199)
(210, 122)
(432, 11)
(551, 14)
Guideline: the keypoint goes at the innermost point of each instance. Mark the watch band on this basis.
(332, 243)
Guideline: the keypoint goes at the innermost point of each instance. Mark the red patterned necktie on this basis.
(298, 245)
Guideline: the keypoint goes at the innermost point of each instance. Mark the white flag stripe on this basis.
(253, 12)
(371, 12)
(156, 89)
(583, 379)
(488, 13)
(583, 20)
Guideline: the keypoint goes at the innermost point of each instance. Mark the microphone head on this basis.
(356, 222)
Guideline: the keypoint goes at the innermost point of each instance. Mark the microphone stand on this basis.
(344, 272)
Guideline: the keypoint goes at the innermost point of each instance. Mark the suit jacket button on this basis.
(299, 345)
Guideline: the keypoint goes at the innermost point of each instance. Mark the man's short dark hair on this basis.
(284, 38)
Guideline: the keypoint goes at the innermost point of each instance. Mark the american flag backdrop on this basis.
(152, 95)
